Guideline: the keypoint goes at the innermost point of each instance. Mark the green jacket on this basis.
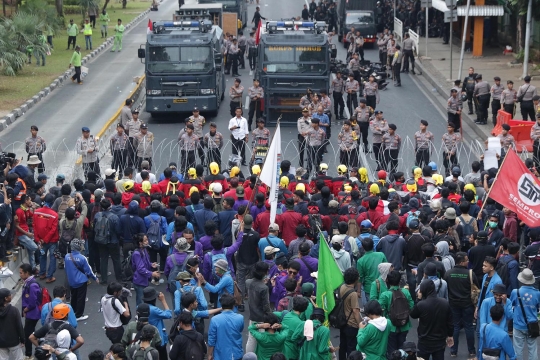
(104, 19)
(76, 59)
(367, 267)
(42, 39)
(374, 293)
(296, 326)
(318, 348)
(386, 301)
(373, 339)
(119, 30)
(267, 343)
(72, 30)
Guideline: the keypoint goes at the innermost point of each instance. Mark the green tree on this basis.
(87, 4)
(519, 7)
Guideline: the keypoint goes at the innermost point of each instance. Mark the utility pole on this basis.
(463, 39)
(527, 40)
(451, 23)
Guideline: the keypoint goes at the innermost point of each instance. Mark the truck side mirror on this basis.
(141, 53)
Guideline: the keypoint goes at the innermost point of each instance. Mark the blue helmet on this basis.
(433, 166)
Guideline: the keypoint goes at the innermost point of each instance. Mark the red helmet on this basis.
(381, 174)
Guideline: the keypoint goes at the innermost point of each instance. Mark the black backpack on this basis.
(315, 223)
(127, 269)
(337, 318)
(194, 349)
(124, 319)
(68, 234)
(502, 270)
(52, 332)
(399, 309)
(335, 220)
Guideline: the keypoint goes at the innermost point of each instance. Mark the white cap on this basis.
(109, 172)
(217, 188)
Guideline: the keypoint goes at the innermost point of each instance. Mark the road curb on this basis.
(16, 113)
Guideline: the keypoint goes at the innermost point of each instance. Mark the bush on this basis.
(72, 9)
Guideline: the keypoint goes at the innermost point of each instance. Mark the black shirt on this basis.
(532, 253)
(477, 255)
(247, 253)
(42, 331)
(459, 286)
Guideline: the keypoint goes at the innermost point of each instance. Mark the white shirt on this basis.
(111, 316)
(242, 131)
(151, 178)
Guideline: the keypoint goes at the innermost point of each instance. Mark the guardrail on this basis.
(398, 30)
(416, 38)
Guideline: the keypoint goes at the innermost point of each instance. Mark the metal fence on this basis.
(414, 36)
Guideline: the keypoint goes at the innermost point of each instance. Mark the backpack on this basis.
(381, 231)
(467, 229)
(399, 309)
(214, 258)
(171, 280)
(412, 215)
(194, 349)
(68, 234)
(335, 220)
(154, 233)
(127, 270)
(50, 337)
(502, 270)
(64, 204)
(101, 229)
(49, 317)
(43, 297)
(124, 319)
(353, 229)
(141, 354)
(315, 223)
(337, 318)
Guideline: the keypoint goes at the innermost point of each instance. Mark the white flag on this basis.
(270, 172)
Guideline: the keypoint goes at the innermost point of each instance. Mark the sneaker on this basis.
(472, 356)
(50, 280)
(98, 275)
(154, 282)
(82, 318)
(453, 355)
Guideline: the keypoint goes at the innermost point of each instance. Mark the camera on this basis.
(6, 158)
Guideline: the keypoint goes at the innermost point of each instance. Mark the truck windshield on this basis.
(358, 18)
(304, 59)
(174, 59)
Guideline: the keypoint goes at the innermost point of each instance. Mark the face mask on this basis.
(493, 224)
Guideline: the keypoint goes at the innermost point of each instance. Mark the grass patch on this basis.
(15, 90)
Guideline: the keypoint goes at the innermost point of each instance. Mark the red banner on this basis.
(517, 189)
(258, 33)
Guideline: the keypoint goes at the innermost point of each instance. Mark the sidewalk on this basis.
(436, 68)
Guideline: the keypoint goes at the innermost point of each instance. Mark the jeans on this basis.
(12, 353)
(243, 272)
(88, 40)
(48, 248)
(347, 341)
(138, 293)
(395, 342)
(31, 247)
(29, 327)
(463, 316)
(112, 250)
(411, 281)
(519, 340)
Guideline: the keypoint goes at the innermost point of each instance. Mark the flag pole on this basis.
(491, 188)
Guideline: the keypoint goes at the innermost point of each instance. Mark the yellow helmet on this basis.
(411, 185)
(374, 189)
(128, 185)
(363, 175)
(234, 171)
(417, 173)
(192, 172)
(192, 190)
(256, 169)
(214, 168)
(470, 187)
(301, 186)
(342, 169)
(284, 181)
(347, 188)
(438, 178)
(323, 166)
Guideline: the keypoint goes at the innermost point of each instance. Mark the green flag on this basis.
(329, 277)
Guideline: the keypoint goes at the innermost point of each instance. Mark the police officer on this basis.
(408, 46)
(87, 147)
(338, 88)
(252, 50)
(457, 85)
(496, 92)
(144, 146)
(423, 143)
(187, 143)
(256, 93)
(362, 114)
(35, 145)
(482, 93)
(524, 96)
(242, 41)
(371, 92)
(315, 139)
(507, 140)
(391, 143)
(198, 122)
(378, 127)
(236, 92)
(508, 98)
(453, 108)
(468, 89)
(227, 47)
(348, 146)
(381, 43)
(303, 125)
(535, 137)
(396, 65)
(451, 140)
(352, 87)
(390, 51)
(119, 146)
(354, 66)
(213, 141)
(234, 50)
(260, 132)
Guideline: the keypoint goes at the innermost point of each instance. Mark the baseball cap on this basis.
(217, 188)
(269, 250)
(273, 227)
(60, 177)
(110, 172)
(42, 177)
(240, 191)
(414, 224)
(85, 129)
(365, 224)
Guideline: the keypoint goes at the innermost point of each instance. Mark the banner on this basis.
(517, 189)
(270, 172)
(258, 33)
(329, 277)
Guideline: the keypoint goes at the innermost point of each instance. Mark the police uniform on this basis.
(305, 101)
(132, 130)
(496, 92)
(255, 96)
(36, 146)
(378, 128)
(508, 100)
(263, 133)
(526, 93)
(303, 125)
(468, 87)
(235, 93)
(348, 148)
(381, 43)
(408, 45)
(391, 145)
(214, 144)
(198, 123)
(327, 105)
(119, 147)
(423, 142)
(187, 145)
(90, 160)
(352, 100)
(450, 142)
(144, 146)
(252, 52)
(338, 88)
(454, 105)
(362, 116)
(390, 51)
(315, 140)
(371, 93)
(227, 45)
(354, 66)
(234, 50)
(242, 41)
(507, 142)
(482, 93)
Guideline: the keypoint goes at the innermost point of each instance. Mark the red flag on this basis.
(518, 190)
(149, 29)
(258, 33)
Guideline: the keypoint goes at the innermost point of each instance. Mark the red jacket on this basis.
(510, 227)
(376, 218)
(326, 222)
(230, 193)
(262, 222)
(288, 221)
(46, 225)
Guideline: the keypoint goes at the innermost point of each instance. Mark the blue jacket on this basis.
(276, 242)
(174, 173)
(115, 230)
(76, 277)
(131, 223)
(225, 283)
(141, 266)
(201, 217)
(496, 279)
(156, 217)
(366, 235)
(227, 342)
(225, 218)
(530, 297)
(156, 318)
(170, 230)
(207, 270)
(190, 212)
(198, 292)
(47, 308)
(485, 317)
(496, 338)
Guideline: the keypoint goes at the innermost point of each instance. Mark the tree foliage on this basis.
(520, 7)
